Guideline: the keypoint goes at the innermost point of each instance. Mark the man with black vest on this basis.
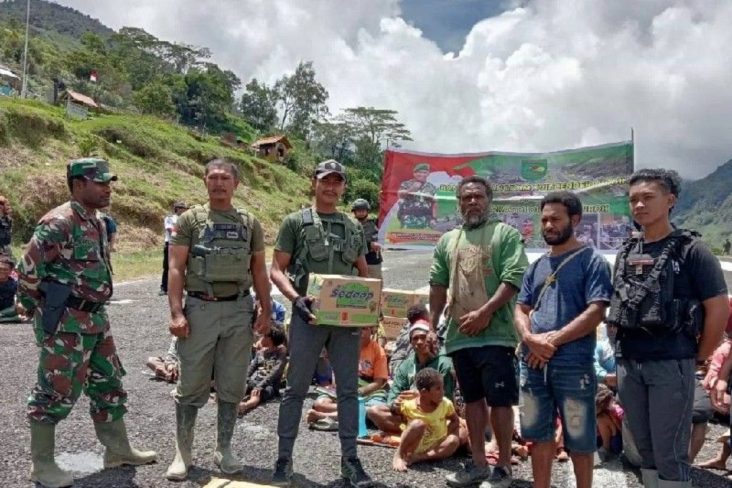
(319, 239)
(670, 306)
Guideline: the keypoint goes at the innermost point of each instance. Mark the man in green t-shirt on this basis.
(321, 240)
(217, 254)
(482, 264)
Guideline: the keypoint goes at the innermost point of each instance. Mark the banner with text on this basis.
(418, 201)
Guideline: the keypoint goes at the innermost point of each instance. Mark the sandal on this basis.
(325, 425)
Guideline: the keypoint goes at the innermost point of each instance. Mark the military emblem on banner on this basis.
(533, 169)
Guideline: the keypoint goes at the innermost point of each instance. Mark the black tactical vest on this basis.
(643, 296)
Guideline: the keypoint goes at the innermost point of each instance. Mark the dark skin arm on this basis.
(473, 323)
(453, 424)
(716, 311)
(262, 288)
(540, 349)
(438, 299)
(362, 267)
(177, 262)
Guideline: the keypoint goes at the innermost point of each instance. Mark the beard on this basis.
(558, 239)
(471, 221)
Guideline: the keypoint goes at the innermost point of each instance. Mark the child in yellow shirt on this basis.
(430, 429)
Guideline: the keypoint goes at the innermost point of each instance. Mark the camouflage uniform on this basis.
(69, 246)
(415, 209)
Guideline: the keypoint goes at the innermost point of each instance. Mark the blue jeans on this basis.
(564, 391)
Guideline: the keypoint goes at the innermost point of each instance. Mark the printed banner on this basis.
(418, 201)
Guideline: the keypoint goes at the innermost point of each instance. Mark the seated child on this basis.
(166, 368)
(609, 423)
(10, 311)
(430, 430)
(265, 370)
(372, 377)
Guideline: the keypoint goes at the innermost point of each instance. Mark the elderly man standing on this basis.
(65, 281)
(482, 264)
(319, 239)
(216, 254)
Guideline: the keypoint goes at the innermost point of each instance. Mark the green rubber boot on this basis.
(185, 420)
(44, 469)
(223, 457)
(113, 436)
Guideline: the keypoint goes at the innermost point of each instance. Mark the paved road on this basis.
(139, 323)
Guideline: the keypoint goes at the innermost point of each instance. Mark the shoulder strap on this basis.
(678, 239)
(244, 216)
(553, 276)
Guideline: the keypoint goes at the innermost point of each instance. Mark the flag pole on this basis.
(24, 89)
(632, 144)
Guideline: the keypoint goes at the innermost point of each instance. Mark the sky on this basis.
(476, 76)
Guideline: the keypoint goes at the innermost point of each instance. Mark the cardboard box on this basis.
(396, 303)
(345, 300)
(392, 326)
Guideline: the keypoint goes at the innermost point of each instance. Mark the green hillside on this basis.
(706, 205)
(157, 162)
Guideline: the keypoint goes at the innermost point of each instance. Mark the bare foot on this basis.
(713, 464)
(312, 416)
(398, 463)
(244, 407)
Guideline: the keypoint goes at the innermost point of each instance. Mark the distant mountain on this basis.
(50, 17)
(705, 205)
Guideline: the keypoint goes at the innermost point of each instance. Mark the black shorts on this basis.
(488, 372)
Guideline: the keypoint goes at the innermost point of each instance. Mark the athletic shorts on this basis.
(487, 372)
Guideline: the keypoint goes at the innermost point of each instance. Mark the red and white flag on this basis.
(93, 76)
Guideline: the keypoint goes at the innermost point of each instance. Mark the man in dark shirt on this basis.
(6, 226)
(8, 290)
(657, 363)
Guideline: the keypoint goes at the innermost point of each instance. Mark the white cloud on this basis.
(546, 75)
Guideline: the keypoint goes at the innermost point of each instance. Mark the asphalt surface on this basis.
(139, 323)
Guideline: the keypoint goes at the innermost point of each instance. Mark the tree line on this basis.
(134, 70)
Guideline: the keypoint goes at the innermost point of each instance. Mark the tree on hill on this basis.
(258, 106)
(301, 99)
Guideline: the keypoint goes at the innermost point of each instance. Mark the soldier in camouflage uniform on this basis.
(360, 208)
(65, 280)
(417, 199)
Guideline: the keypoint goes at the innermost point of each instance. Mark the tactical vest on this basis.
(318, 244)
(5, 231)
(223, 251)
(643, 296)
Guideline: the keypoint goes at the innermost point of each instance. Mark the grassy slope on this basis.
(157, 162)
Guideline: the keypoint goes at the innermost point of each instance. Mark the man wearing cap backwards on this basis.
(482, 264)
(319, 239)
(417, 199)
(169, 230)
(65, 280)
(216, 254)
(360, 208)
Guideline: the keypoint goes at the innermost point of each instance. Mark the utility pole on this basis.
(24, 89)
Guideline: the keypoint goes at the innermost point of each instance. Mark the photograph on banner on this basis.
(418, 200)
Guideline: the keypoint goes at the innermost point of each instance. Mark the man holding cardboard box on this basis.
(482, 263)
(321, 240)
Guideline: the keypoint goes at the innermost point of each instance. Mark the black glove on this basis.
(301, 306)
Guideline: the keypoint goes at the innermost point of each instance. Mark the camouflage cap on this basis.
(421, 167)
(328, 167)
(180, 204)
(93, 169)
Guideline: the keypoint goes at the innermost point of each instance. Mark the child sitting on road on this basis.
(10, 310)
(430, 430)
(265, 370)
(609, 423)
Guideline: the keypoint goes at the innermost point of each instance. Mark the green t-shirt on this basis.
(291, 241)
(189, 231)
(408, 369)
(505, 262)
